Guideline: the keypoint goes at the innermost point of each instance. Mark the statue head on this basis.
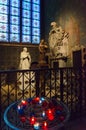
(42, 40)
(25, 49)
(53, 24)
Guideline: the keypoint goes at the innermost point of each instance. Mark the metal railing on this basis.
(65, 84)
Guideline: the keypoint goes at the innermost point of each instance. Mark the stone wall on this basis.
(10, 55)
(70, 15)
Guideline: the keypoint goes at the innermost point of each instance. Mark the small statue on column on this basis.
(42, 50)
(42, 62)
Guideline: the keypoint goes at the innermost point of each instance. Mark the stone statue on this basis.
(42, 50)
(65, 45)
(25, 64)
(59, 44)
(55, 37)
(25, 59)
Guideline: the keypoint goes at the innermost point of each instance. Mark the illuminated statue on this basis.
(59, 44)
(55, 37)
(62, 49)
(25, 64)
(65, 42)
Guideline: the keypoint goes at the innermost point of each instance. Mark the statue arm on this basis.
(29, 57)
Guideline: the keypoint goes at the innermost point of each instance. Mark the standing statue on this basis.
(25, 59)
(55, 37)
(59, 44)
(42, 50)
(25, 64)
(42, 62)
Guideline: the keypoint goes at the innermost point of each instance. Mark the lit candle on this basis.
(42, 98)
(36, 126)
(37, 99)
(43, 114)
(40, 101)
(32, 120)
(24, 103)
(51, 117)
(50, 114)
(45, 124)
(20, 110)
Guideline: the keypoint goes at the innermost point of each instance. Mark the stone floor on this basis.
(79, 124)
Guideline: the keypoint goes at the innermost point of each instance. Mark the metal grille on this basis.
(65, 84)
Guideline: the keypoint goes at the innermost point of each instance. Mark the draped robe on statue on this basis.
(26, 79)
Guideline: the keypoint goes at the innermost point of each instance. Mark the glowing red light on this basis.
(32, 120)
(45, 124)
(49, 111)
(51, 117)
(50, 114)
(24, 102)
(37, 99)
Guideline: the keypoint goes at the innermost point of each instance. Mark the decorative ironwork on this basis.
(65, 84)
